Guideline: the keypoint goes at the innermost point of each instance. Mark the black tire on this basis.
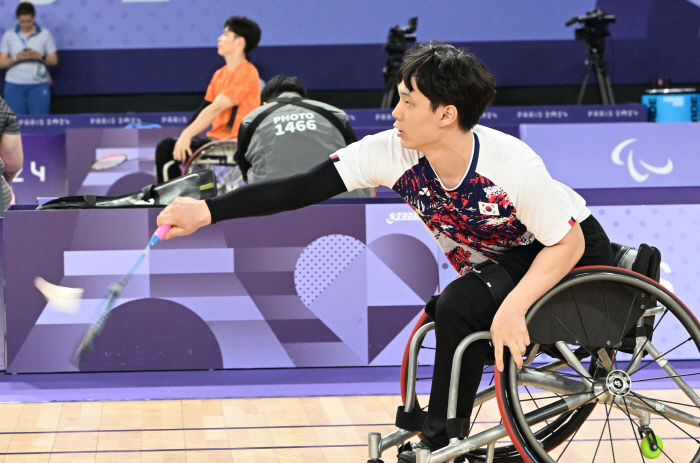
(581, 289)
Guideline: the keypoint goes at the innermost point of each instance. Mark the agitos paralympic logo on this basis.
(634, 173)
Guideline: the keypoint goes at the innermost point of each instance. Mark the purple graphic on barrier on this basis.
(401, 276)
(85, 146)
(618, 155)
(143, 331)
(328, 285)
(233, 297)
(44, 168)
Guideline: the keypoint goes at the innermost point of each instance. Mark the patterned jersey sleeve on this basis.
(376, 160)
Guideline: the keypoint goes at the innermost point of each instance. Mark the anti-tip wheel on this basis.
(646, 448)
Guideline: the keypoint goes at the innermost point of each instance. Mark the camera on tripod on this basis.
(396, 44)
(593, 32)
(400, 36)
(595, 27)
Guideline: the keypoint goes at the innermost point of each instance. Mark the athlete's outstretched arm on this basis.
(263, 198)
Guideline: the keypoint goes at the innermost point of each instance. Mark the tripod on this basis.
(390, 97)
(595, 60)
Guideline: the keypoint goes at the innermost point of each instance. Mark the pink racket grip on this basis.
(162, 231)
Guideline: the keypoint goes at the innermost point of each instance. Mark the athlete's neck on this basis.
(234, 60)
(450, 159)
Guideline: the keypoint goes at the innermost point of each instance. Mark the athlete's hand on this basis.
(185, 215)
(508, 329)
(182, 148)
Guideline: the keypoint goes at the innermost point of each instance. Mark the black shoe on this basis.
(407, 452)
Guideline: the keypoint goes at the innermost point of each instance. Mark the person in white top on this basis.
(25, 51)
(486, 197)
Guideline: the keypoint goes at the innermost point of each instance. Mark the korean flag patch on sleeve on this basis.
(488, 209)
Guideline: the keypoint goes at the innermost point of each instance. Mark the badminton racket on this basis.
(111, 161)
(103, 310)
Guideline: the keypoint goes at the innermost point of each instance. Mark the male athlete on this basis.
(486, 197)
(234, 91)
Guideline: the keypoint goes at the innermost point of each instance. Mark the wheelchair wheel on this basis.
(486, 413)
(597, 321)
(217, 156)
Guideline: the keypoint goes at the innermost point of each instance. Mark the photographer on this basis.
(290, 134)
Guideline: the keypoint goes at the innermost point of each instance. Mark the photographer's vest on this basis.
(290, 136)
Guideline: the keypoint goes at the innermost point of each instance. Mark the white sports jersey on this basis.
(506, 198)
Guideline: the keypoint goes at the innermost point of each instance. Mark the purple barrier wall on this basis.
(329, 285)
(59, 123)
(618, 155)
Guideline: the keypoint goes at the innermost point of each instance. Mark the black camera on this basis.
(595, 27)
(396, 44)
(400, 36)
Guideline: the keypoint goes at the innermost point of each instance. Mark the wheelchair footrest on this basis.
(458, 427)
(410, 421)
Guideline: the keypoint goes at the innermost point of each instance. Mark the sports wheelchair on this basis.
(594, 384)
(219, 157)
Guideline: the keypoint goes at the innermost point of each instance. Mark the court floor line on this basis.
(274, 447)
(225, 428)
(286, 447)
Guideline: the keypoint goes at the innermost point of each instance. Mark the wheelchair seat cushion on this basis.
(623, 256)
(646, 260)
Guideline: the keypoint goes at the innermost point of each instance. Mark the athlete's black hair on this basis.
(246, 28)
(447, 75)
(280, 84)
(25, 8)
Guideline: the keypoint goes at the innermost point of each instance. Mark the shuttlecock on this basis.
(60, 298)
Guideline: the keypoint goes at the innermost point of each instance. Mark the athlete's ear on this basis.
(449, 115)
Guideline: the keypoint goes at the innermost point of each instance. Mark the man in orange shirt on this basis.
(233, 92)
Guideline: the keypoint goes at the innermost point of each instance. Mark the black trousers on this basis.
(465, 306)
(164, 155)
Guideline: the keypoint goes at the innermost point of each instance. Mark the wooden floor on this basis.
(280, 430)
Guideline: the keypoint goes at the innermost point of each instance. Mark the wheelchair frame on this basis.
(214, 154)
(585, 391)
